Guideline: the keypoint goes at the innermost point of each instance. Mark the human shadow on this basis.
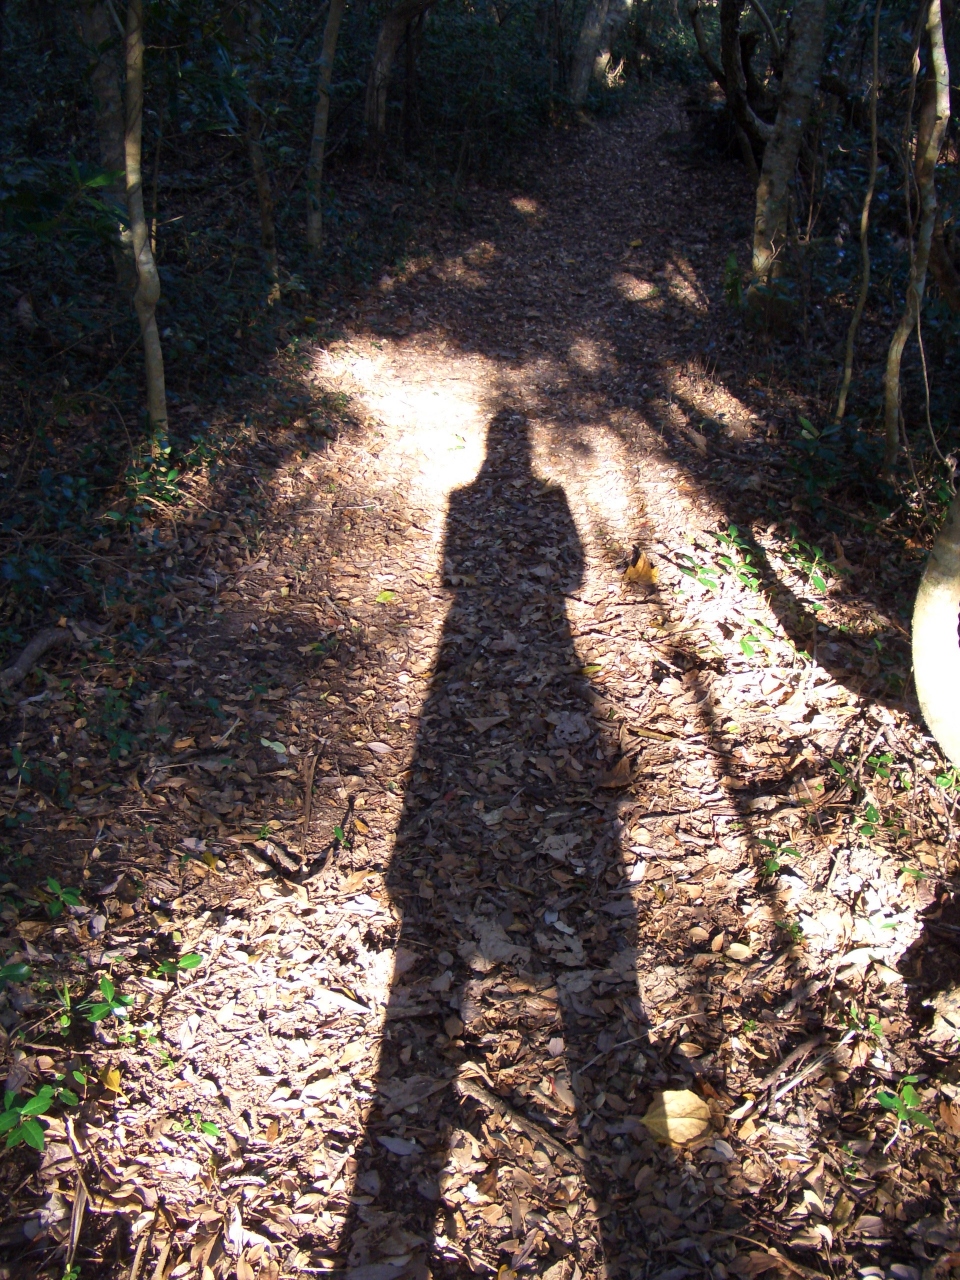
(501, 955)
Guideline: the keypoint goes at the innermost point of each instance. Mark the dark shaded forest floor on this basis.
(537, 776)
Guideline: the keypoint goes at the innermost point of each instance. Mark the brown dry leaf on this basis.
(641, 569)
(621, 775)
(677, 1116)
(272, 1132)
(483, 723)
(950, 1115)
(244, 1270)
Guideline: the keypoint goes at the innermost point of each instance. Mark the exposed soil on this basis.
(497, 802)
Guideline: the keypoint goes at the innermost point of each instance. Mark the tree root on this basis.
(45, 640)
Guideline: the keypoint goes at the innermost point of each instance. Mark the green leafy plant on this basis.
(706, 574)
(791, 929)
(905, 1105)
(112, 1003)
(808, 559)
(15, 971)
(738, 557)
(60, 897)
(949, 780)
(774, 863)
(749, 1026)
(732, 282)
(185, 963)
(19, 1121)
(880, 764)
(868, 828)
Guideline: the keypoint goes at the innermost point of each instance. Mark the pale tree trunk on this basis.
(258, 160)
(864, 225)
(585, 54)
(391, 36)
(933, 124)
(102, 37)
(148, 279)
(936, 651)
(320, 122)
(800, 72)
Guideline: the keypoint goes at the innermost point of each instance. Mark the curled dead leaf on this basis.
(641, 569)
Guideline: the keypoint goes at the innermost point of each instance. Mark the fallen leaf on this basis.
(738, 951)
(677, 1116)
(110, 1079)
(386, 597)
(398, 1146)
(621, 775)
(641, 569)
(950, 1115)
(483, 723)
(380, 748)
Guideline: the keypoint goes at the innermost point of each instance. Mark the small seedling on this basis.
(705, 574)
(950, 780)
(791, 929)
(60, 897)
(18, 1120)
(190, 961)
(904, 1104)
(880, 765)
(749, 1026)
(872, 815)
(773, 864)
(112, 1005)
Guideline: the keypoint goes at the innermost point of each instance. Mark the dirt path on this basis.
(533, 894)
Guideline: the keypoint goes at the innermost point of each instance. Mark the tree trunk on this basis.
(101, 37)
(735, 80)
(864, 224)
(801, 68)
(936, 651)
(388, 43)
(585, 54)
(933, 124)
(709, 61)
(320, 121)
(258, 161)
(148, 279)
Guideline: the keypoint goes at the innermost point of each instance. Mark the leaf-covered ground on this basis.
(531, 776)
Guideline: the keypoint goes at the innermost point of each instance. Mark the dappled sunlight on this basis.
(635, 289)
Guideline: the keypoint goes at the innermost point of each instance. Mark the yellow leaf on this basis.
(209, 859)
(110, 1079)
(677, 1115)
(642, 569)
(361, 826)
(635, 244)
(273, 1131)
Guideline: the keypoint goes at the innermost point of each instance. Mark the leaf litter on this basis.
(618, 934)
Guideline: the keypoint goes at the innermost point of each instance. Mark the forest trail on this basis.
(533, 893)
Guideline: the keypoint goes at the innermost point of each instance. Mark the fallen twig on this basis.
(469, 1088)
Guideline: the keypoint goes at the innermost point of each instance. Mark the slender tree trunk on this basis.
(585, 54)
(735, 80)
(321, 120)
(933, 124)
(388, 43)
(258, 160)
(102, 39)
(864, 224)
(148, 279)
(709, 61)
(801, 68)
